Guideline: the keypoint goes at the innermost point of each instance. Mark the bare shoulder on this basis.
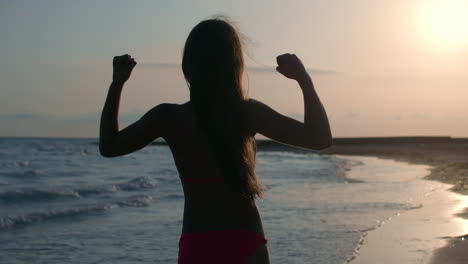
(256, 109)
(164, 111)
(165, 108)
(251, 106)
(255, 106)
(253, 113)
(162, 117)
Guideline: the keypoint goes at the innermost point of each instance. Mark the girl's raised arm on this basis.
(314, 133)
(152, 125)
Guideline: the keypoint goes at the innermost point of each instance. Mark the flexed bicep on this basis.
(314, 132)
(152, 125)
(271, 124)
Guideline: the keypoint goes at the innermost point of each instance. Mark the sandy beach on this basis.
(448, 159)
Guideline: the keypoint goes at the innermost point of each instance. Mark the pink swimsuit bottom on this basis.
(227, 247)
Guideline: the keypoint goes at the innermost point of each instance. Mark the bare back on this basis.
(209, 203)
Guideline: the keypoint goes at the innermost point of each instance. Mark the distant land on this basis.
(266, 144)
(270, 145)
(338, 141)
(373, 140)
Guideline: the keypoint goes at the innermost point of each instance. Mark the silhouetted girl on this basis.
(212, 141)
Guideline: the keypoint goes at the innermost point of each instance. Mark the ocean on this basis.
(61, 202)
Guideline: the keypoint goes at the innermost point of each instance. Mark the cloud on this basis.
(36, 124)
(21, 116)
(352, 114)
(259, 69)
(91, 116)
(421, 115)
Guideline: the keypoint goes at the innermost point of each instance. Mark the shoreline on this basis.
(448, 163)
(408, 236)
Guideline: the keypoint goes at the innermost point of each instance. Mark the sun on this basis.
(445, 22)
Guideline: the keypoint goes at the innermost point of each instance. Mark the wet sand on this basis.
(448, 158)
(449, 161)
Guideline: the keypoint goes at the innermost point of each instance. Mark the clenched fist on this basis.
(123, 66)
(291, 66)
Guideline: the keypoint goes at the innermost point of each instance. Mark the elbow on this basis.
(321, 142)
(324, 143)
(106, 154)
(320, 145)
(105, 151)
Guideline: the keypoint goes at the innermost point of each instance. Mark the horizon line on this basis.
(263, 139)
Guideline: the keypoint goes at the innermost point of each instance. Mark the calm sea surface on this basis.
(61, 202)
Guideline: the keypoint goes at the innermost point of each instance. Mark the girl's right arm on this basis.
(314, 133)
(152, 125)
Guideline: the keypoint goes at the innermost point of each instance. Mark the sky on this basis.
(381, 67)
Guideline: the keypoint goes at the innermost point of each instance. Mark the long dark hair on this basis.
(213, 66)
